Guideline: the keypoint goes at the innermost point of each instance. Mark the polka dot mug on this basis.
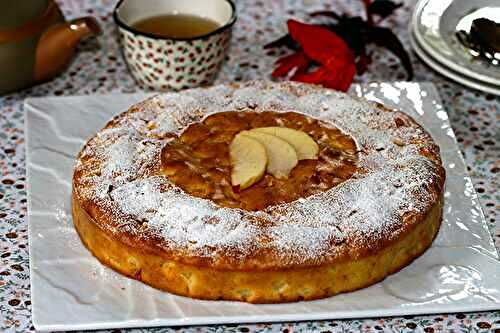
(160, 63)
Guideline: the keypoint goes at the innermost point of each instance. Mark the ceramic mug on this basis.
(160, 63)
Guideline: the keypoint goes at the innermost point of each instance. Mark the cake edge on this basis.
(256, 286)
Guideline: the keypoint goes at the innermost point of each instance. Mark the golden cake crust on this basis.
(390, 208)
(255, 286)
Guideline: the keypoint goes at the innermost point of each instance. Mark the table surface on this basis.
(98, 68)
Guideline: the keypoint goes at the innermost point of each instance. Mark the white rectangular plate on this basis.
(72, 290)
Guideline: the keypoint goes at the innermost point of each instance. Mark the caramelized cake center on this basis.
(198, 161)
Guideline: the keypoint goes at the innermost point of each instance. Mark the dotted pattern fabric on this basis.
(99, 68)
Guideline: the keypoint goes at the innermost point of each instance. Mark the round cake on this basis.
(259, 192)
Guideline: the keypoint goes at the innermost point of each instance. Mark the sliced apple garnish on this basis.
(281, 156)
(303, 144)
(248, 160)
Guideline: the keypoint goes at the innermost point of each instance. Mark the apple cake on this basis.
(259, 192)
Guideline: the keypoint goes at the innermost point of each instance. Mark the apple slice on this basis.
(303, 144)
(248, 159)
(281, 156)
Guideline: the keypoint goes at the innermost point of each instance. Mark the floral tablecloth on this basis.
(99, 68)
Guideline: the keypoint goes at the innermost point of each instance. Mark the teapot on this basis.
(36, 42)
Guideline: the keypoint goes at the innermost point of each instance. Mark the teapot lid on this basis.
(18, 12)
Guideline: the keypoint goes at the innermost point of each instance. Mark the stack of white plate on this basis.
(433, 37)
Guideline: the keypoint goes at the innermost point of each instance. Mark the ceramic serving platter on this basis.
(434, 23)
(71, 290)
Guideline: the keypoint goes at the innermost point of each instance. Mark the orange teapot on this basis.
(36, 43)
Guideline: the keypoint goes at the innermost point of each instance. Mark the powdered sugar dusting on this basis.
(118, 171)
(180, 218)
(366, 208)
(140, 198)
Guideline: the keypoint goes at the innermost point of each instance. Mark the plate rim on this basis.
(439, 57)
(448, 73)
(258, 319)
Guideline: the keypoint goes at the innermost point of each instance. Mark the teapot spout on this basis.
(83, 27)
(57, 45)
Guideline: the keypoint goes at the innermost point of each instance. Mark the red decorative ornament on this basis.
(337, 64)
(331, 54)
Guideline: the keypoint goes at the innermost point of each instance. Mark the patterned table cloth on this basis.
(99, 69)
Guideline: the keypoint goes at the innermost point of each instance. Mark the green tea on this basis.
(176, 26)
